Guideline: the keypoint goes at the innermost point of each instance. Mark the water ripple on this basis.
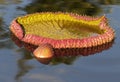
(4, 36)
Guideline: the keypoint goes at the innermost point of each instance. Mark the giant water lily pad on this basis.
(62, 30)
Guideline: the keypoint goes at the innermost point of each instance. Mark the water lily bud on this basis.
(44, 51)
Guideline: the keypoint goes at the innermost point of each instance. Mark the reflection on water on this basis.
(23, 67)
(9, 9)
(76, 6)
(85, 7)
(5, 2)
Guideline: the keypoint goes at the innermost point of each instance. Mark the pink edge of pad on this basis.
(16, 29)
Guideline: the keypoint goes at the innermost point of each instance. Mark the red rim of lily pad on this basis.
(101, 38)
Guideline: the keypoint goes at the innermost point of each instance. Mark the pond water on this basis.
(17, 64)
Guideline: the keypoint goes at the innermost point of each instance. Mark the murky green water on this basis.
(17, 64)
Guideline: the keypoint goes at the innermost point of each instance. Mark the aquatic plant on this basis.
(62, 30)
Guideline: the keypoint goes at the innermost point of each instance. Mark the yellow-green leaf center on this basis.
(59, 26)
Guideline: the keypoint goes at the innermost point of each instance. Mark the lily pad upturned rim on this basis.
(100, 39)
